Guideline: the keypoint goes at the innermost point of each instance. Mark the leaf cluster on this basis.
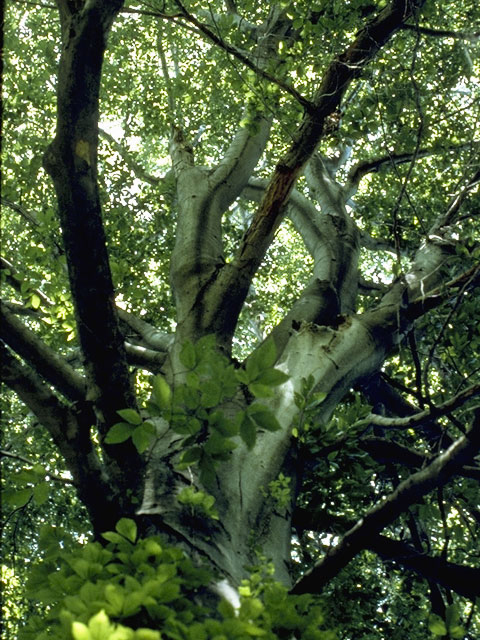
(142, 589)
(197, 408)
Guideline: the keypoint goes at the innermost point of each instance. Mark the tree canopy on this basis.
(239, 321)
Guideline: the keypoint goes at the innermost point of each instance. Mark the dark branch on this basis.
(361, 169)
(243, 57)
(70, 431)
(431, 413)
(41, 357)
(15, 280)
(71, 160)
(442, 33)
(461, 579)
(409, 492)
(388, 451)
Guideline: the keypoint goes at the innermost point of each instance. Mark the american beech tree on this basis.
(268, 213)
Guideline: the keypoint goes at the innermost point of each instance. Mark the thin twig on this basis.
(243, 57)
(441, 33)
(48, 474)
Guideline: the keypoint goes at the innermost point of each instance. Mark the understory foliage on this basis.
(144, 584)
(239, 320)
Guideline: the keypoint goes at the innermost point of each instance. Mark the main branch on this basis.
(231, 287)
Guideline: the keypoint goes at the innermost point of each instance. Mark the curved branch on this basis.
(375, 244)
(460, 578)
(383, 450)
(409, 492)
(135, 167)
(469, 280)
(16, 456)
(153, 338)
(145, 358)
(70, 431)
(432, 412)
(301, 211)
(442, 33)
(372, 165)
(41, 357)
(15, 280)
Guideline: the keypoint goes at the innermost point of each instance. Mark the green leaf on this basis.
(451, 615)
(147, 634)
(35, 301)
(242, 376)
(316, 399)
(264, 418)
(80, 566)
(192, 380)
(272, 377)
(39, 470)
(80, 631)
(187, 355)
(18, 498)
(41, 492)
(207, 470)
(260, 390)
(263, 357)
(211, 394)
(161, 394)
(167, 592)
(186, 426)
(436, 625)
(99, 626)
(217, 444)
(248, 431)
(118, 433)
(223, 425)
(130, 415)
(226, 609)
(127, 528)
(115, 597)
(191, 455)
(142, 438)
(191, 397)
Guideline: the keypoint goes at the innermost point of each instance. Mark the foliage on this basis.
(142, 589)
(192, 408)
(244, 391)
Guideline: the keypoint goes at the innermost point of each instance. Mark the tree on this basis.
(244, 317)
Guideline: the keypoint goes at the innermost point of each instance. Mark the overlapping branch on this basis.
(337, 77)
(388, 451)
(41, 357)
(462, 579)
(443, 33)
(409, 492)
(51, 476)
(242, 56)
(70, 431)
(432, 412)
